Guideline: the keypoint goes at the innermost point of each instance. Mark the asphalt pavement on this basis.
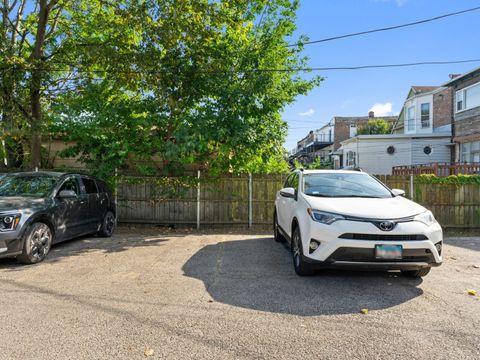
(157, 294)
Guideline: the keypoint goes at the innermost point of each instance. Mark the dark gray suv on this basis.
(38, 209)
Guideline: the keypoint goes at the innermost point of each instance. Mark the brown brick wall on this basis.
(443, 108)
(342, 126)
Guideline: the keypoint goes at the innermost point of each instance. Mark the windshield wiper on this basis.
(319, 195)
(363, 196)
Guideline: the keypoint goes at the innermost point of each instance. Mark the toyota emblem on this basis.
(386, 225)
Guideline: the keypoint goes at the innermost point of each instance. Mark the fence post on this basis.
(115, 195)
(198, 199)
(250, 200)
(411, 186)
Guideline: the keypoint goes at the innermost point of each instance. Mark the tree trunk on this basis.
(37, 57)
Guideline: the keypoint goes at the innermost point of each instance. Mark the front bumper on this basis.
(335, 251)
(11, 243)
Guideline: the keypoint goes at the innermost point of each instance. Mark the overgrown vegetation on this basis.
(375, 127)
(452, 179)
(150, 84)
(317, 164)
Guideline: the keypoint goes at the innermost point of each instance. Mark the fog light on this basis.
(8, 219)
(438, 246)
(314, 244)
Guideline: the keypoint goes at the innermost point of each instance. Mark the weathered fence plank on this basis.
(225, 201)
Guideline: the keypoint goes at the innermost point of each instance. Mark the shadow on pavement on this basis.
(258, 274)
(117, 243)
(471, 243)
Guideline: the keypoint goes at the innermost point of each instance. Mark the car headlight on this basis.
(426, 217)
(9, 222)
(324, 217)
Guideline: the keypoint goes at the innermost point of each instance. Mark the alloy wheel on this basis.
(40, 242)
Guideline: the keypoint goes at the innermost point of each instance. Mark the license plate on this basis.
(388, 251)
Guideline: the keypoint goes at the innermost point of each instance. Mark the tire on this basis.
(416, 273)
(37, 243)
(276, 231)
(301, 267)
(108, 225)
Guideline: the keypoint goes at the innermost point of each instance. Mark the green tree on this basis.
(49, 48)
(197, 90)
(375, 127)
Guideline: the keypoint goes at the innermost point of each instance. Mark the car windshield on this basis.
(26, 185)
(344, 185)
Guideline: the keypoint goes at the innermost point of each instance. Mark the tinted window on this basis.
(26, 185)
(102, 187)
(71, 185)
(90, 187)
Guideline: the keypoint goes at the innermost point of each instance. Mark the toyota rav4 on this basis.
(340, 218)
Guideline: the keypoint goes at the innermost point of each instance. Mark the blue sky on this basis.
(348, 93)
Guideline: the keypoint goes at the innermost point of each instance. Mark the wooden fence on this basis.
(241, 201)
(439, 169)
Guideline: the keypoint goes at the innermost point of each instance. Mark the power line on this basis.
(259, 70)
(385, 28)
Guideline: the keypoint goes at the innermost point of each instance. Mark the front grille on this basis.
(368, 255)
(384, 237)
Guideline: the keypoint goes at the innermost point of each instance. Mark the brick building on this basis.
(466, 107)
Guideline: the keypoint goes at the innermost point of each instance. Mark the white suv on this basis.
(339, 218)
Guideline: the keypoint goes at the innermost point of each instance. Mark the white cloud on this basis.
(382, 109)
(309, 112)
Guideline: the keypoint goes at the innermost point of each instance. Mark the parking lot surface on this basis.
(189, 295)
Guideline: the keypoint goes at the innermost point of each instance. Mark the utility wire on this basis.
(385, 28)
(259, 70)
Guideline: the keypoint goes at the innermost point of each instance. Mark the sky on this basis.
(356, 92)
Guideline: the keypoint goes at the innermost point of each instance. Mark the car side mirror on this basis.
(65, 194)
(288, 192)
(398, 192)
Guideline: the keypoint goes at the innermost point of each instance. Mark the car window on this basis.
(288, 181)
(27, 185)
(70, 184)
(344, 185)
(90, 186)
(294, 182)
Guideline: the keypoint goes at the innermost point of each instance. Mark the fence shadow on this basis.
(258, 274)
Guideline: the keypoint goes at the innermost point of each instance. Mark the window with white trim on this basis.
(353, 130)
(411, 118)
(468, 98)
(351, 158)
(470, 152)
(425, 115)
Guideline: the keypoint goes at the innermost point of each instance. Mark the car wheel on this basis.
(37, 243)
(416, 273)
(108, 225)
(276, 230)
(299, 264)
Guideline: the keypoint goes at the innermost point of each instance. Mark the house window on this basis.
(468, 98)
(411, 118)
(351, 158)
(459, 100)
(470, 152)
(353, 130)
(425, 115)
